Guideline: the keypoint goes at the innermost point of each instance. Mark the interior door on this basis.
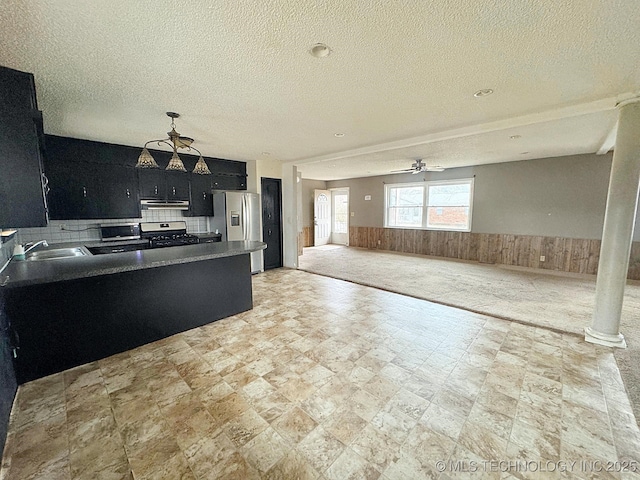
(272, 221)
(340, 217)
(322, 217)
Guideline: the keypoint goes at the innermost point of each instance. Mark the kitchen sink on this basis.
(56, 253)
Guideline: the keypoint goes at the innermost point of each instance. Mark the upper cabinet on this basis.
(22, 196)
(94, 180)
(201, 196)
(90, 180)
(227, 174)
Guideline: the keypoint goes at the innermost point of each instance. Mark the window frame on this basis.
(425, 205)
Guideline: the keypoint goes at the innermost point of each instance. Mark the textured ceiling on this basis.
(400, 73)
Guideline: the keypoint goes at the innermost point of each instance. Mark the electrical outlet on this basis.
(379, 242)
(542, 258)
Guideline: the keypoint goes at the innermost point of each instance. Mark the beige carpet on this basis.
(555, 300)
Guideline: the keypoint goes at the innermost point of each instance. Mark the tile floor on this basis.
(328, 379)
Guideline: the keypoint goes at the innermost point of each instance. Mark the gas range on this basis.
(167, 234)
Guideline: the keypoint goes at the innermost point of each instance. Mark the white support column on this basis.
(617, 234)
(290, 215)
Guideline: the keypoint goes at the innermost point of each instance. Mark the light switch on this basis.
(353, 214)
(367, 197)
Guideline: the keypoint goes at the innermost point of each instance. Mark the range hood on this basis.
(164, 204)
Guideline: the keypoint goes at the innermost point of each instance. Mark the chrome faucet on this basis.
(30, 246)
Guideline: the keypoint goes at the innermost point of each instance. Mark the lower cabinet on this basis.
(65, 324)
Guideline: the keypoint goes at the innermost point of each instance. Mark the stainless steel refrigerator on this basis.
(236, 215)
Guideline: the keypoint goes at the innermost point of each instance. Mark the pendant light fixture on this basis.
(175, 141)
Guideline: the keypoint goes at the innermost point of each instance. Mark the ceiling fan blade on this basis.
(416, 171)
(435, 169)
(405, 170)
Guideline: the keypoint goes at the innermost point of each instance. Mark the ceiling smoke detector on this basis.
(339, 135)
(320, 50)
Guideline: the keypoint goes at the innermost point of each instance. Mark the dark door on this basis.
(272, 221)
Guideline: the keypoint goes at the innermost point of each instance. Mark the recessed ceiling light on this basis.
(266, 153)
(339, 135)
(483, 93)
(513, 137)
(320, 50)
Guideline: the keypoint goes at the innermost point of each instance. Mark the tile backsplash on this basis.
(83, 230)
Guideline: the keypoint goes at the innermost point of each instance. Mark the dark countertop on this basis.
(22, 273)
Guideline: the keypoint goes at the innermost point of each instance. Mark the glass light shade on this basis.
(201, 167)
(175, 164)
(145, 160)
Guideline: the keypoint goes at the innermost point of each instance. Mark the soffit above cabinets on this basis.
(398, 82)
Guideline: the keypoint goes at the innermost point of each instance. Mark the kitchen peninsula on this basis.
(70, 311)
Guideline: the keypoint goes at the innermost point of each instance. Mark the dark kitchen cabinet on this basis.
(158, 184)
(201, 196)
(22, 196)
(81, 190)
(152, 184)
(119, 192)
(90, 180)
(177, 186)
(94, 180)
(90, 318)
(229, 182)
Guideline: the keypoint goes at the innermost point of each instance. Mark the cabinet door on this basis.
(201, 197)
(152, 184)
(229, 182)
(177, 186)
(118, 192)
(21, 192)
(75, 191)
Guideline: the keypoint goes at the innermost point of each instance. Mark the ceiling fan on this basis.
(419, 166)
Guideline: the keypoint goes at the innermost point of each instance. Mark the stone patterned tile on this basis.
(320, 448)
(344, 424)
(265, 450)
(294, 425)
(323, 380)
(376, 447)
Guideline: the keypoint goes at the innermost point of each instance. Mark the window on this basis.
(340, 212)
(444, 205)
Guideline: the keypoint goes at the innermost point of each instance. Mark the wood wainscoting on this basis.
(307, 236)
(574, 255)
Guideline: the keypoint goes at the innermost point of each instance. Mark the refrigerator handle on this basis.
(245, 219)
